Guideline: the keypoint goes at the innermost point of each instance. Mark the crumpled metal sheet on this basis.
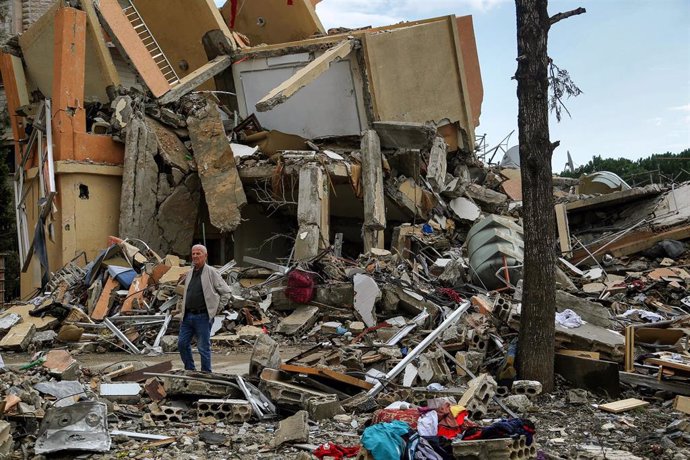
(81, 426)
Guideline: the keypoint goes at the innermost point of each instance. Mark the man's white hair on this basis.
(200, 246)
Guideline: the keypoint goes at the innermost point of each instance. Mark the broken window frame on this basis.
(45, 173)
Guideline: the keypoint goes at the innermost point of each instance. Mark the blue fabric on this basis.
(384, 440)
(197, 325)
(123, 275)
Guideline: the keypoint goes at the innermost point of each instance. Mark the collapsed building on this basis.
(129, 151)
(333, 177)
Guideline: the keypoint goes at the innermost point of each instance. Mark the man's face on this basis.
(198, 258)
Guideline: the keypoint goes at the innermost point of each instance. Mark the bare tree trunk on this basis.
(536, 338)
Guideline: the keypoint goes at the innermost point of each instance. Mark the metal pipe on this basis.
(449, 321)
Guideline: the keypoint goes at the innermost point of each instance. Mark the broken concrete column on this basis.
(372, 183)
(216, 168)
(438, 164)
(140, 174)
(312, 212)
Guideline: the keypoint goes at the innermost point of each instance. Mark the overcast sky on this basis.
(631, 59)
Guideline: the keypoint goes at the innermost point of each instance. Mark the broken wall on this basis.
(179, 37)
(273, 21)
(37, 45)
(331, 105)
(160, 203)
(88, 207)
(379, 82)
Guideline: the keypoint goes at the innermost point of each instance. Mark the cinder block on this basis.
(481, 390)
(495, 449)
(229, 410)
(529, 388)
(287, 394)
(324, 408)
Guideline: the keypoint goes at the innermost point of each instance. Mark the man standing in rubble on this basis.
(205, 292)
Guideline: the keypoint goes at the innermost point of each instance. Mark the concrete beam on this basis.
(374, 199)
(313, 214)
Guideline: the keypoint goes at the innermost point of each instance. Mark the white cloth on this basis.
(644, 314)
(427, 425)
(568, 318)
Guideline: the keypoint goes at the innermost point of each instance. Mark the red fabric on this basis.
(335, 451)
(233, 13)
(409, 416)
(300, 287)
(451, 294)
(449, 427)
(290, 2)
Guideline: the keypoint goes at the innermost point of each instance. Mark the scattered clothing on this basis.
(568, 318)
(505, 428)
(335, 451)
(427, 425)
(409, 416)
(385, 440)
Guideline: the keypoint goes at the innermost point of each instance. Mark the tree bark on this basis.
(536, 337)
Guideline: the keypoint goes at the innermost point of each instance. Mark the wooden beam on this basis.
(100, 311)
(563, 229)
(195, 78)
(304, 76)
(623, 405)
(327, 373)
(634, 243)
(135, 292)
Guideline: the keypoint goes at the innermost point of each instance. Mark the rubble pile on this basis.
(375, 267)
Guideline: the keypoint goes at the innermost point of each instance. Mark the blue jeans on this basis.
(197, 325)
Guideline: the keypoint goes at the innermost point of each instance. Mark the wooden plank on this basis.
(138, 376)
(100, 311)
(121, 371)
(580, 353)
(136, 292)
(623, 405)
(196, 78)
(634, 243)
(671, 364)
(327, 373)
(304, 76)
(629, 349)
(563, 229)
(682, 404)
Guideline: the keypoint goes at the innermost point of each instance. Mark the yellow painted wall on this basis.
(179, 26)
(80, 224)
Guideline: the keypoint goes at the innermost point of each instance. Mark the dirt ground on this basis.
(224, 361)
